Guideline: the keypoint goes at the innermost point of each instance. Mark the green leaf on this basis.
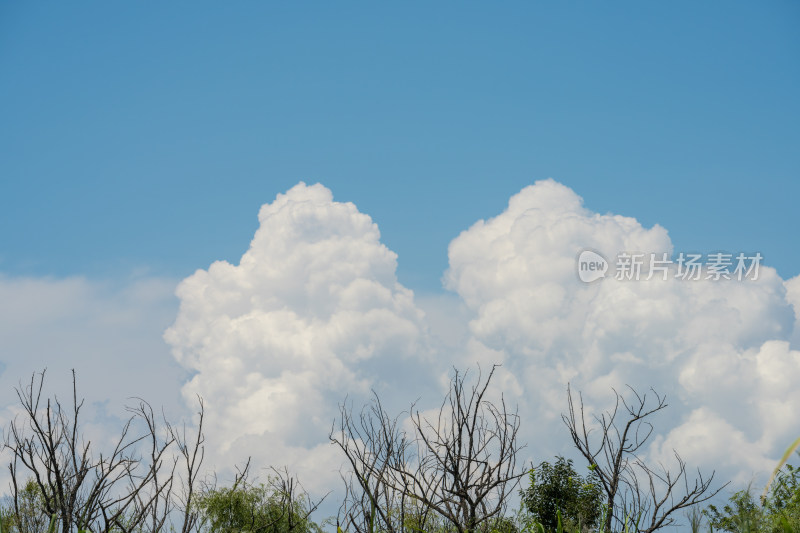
(784, 458)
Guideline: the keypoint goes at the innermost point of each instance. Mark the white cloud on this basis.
(793, 296)
(710, 441)
(312, 312)
(722, 345)
(109, 332)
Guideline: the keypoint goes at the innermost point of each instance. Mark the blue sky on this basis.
(141, 137)
(141, 142)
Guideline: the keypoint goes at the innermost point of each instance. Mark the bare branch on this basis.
(83, 486)
(459, 465)
(633, 489)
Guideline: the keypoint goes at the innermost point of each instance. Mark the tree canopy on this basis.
(559, 488)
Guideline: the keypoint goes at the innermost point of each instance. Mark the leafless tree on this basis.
(143, 505)
(169, 502)
(129, 486)
(191, 452)
(459, 465)
(374, 446)
(294, 502)
(83, 487)
(634, 490)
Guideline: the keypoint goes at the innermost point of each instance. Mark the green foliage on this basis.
(794, 446)
(742, 514)
(5, 521)
(255, 508)
(783, 503)
(780, 512)
(31, 515)
(557, 493)
(500, 524)
(418, 519)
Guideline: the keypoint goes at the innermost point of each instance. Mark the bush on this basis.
(559, 487)
(246, 508)
(778, 513)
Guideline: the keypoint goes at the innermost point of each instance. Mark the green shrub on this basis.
(255, 508)
(558, 488)
(778, 513)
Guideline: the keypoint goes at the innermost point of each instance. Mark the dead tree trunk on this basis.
(459, 466)
(127, 486)
(633, 489)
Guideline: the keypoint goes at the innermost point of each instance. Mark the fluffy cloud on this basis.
(312, 312)
(720, 350)
(793, 296)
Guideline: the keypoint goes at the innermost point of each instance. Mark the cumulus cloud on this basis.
(793, 296)
(719, 349)
(312, 312)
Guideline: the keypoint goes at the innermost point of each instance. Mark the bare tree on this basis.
(144, 505)
(84, 488)
(138, 484)
(294, 502)
(374, 446)
(169, 502)
(459, 465)
(634, 490)
(191, 454)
